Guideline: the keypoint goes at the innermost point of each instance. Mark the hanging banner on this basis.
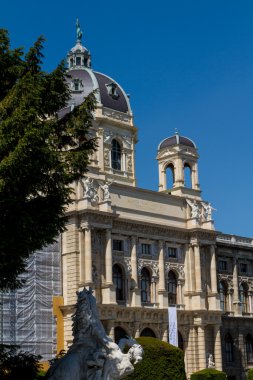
(172, 319)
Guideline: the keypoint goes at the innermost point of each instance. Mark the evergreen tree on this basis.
(40, 154)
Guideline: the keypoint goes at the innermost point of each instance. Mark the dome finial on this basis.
(176, 131)
(79, 33)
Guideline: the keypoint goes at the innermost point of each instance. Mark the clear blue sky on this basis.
(188, 64)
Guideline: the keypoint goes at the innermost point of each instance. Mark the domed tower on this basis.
(178, 167)
(113, 125)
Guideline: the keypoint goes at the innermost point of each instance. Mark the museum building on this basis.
(143, 251)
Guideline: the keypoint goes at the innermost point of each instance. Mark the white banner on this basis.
(172, 316)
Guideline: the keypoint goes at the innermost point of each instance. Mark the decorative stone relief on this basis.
(153, 265)
(129, 163)
(195, 209)
(106, 157)
(128, 265)
(177, 268)
(116, 115)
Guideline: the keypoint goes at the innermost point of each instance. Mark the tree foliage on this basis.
(40, 154)
(161, 361)
(18, 365)
(250, 374)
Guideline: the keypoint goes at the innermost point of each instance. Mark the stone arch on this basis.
(188, 174)
(169, 172)
(147, 331)
(119, 333)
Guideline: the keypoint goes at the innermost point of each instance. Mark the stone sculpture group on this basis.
(93, 355)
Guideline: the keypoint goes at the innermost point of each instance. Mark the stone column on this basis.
(108, 258)
(179, 292)
(81, 257)
(213, 270)
(88, 257)
(201, 347)
(136, 300)
(197, 268)
(237, 303)
(161, 285)
(195, 177)
(217, 348)
(179, 177)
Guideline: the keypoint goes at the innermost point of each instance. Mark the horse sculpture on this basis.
(93, 355)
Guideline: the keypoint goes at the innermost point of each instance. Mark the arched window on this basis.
(187, 176)
(116, 155)
(118, 281)
(249, 348)
(148, 332)
(172, 288)
(170, 176)
(119, 333)
(145, 285)
(229, 348)
(243, 295)
(223, 290)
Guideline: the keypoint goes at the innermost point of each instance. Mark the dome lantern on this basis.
(178, 166)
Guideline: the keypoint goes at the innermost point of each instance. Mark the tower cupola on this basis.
(79, 57)
(178, 166)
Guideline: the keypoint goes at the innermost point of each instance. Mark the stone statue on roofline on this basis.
(79, 32)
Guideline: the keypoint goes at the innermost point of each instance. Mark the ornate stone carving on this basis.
(152, 264)
(116, 115)
(90, 192)
(178, 268)
(195, 209)
(128, 265)
(129, 163)
(106, 157)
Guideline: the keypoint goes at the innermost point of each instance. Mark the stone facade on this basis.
(142, 250)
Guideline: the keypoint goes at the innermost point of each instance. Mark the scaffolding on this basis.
(26, 314)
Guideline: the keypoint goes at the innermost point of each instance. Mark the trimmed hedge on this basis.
(209, 374)
(161, 361)
(250, 374)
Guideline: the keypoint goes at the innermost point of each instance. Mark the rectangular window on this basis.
(172, 252)
(146, 249)
(117, 245)
(223, 265)
(243, 268)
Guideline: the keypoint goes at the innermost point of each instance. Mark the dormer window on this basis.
(77, 84)
(112, 89)
(78, 61)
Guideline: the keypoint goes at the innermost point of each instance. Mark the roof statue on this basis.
(79, 32)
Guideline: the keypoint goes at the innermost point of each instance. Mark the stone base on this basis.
(105, 206)
(108, 294)
(136, 298)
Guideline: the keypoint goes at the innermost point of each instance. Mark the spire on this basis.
(79, 32)
(79, 57)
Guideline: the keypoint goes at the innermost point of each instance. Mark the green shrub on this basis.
(250, 374)
(161, 361)
(209, 374)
